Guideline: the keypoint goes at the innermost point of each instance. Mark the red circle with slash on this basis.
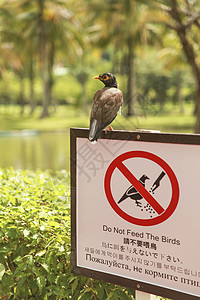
(163, 214)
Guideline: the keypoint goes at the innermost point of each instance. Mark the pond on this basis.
(24, 150)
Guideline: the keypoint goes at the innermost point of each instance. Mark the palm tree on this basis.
(12, 53)
(183, 17)
(85, 37)
(43, 27)
(174, 59)
(125, 25)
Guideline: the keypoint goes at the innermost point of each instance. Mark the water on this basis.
(42, 151)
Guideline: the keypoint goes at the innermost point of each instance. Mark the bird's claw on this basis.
(138, 203)
(109, 127)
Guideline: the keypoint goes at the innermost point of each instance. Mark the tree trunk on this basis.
(21, 93)
(188, 49)
(179, 91)
(197, 123)
(31, 85)
(44, 64)
(50, 71)
(82, 101)
(131, 94)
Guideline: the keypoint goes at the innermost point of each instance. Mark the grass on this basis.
(61, 119)
(66, 116)
(170, 120)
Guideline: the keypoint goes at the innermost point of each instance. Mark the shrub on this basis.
(35, 241)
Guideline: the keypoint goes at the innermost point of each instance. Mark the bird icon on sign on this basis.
(132, 193)
(151, 210)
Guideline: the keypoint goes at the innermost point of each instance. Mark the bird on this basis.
(106, 105)
(132, 193)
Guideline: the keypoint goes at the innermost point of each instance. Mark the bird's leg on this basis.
(109, 127)
(138, 203)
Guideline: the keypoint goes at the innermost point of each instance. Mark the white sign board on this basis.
(136, 212)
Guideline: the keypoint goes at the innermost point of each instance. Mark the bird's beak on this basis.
(97, 77)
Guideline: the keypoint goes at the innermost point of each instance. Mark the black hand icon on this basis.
(156, 183)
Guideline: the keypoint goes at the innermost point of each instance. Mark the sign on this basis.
(162, 213)
(136, 210)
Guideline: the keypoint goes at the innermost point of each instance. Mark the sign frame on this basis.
(142, 136)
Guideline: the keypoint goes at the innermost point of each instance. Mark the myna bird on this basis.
(132, 193)
(107, 102)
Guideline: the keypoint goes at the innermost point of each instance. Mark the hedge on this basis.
(35, 241)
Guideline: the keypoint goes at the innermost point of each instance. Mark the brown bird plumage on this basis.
(107, 102)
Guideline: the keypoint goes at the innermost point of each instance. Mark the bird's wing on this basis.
(106, 105)
(131, 191)
(111, 101)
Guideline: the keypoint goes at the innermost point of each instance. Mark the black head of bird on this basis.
(108, 79)
(143, 178)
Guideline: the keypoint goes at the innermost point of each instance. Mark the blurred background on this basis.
(50, 50)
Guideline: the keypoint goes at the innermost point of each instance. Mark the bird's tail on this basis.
(122, 198)
(94, 131)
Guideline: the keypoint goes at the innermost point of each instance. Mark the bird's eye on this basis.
(106, 77)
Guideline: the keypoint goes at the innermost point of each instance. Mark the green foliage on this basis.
(66, 89)
(35, 241)
(35, 234)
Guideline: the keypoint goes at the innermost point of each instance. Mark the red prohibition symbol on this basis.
(163, 214)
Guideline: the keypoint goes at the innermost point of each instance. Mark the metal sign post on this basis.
(144, 296)
(135, 211)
